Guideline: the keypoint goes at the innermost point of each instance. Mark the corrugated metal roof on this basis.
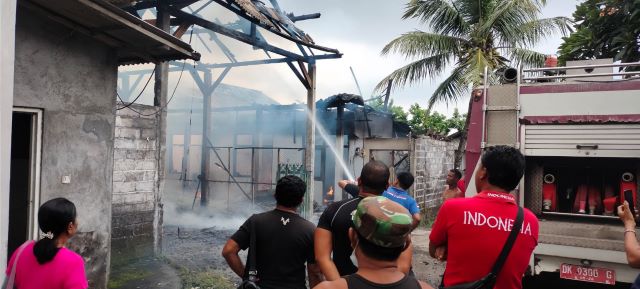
(135, 40)
(248, 7)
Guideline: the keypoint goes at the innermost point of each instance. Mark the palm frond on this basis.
(509, 14)
(530, 33)
(416, 71)
(422, 44)
(451, 89)
(527, 58)
(475, 11)
(474, 64)
(440, 15)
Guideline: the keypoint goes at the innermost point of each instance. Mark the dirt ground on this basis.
(199, 249)
(193, 238)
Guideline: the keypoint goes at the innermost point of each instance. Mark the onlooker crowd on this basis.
(361, 242)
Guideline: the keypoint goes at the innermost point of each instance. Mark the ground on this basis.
(426, 268)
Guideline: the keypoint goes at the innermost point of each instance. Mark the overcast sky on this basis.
(358, 28)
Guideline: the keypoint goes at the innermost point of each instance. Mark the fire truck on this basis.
(578, 127)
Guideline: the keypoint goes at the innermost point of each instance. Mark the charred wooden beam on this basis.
(233, 34)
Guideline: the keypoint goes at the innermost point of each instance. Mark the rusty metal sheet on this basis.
(252, 10)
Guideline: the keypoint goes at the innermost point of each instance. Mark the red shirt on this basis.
(475, 230)
(461, 185)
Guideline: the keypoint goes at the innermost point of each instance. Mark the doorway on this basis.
(24, 191)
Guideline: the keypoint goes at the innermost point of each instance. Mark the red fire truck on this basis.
(579, 129)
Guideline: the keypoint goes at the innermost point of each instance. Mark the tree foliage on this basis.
(423, 121)
(604, 29)
(469, 35)
(398, 112)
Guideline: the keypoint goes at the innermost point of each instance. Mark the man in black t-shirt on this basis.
(331, 236)
(284, 242)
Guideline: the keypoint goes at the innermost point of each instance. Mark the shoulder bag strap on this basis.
(12, 277)
(252, 251)
(515, 230)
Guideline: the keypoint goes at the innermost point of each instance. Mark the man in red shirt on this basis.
(470, 233)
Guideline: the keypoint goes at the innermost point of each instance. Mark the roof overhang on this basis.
(135, 40)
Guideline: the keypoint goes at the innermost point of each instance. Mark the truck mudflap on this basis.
(582, 264)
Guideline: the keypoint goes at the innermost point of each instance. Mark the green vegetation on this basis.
(467, 36)
(422, 121)
(123, 278)
(426, 221)
(209, 279)
(604, 29)
(433, 123)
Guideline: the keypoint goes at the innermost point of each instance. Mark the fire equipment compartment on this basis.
(585, 187)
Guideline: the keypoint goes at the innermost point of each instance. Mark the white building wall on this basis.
(7, 51)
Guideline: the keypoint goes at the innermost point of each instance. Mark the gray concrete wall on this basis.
(7, 51)
(73, 79)
(135, 175)
(432, 160)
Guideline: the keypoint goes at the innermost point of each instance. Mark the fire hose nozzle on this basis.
(627, 177)
(549, 179)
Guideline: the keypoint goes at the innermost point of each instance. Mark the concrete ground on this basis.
(426, 268)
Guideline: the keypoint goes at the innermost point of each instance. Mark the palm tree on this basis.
(469, 35)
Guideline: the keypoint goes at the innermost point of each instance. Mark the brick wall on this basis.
(433, 159)
(134, 174)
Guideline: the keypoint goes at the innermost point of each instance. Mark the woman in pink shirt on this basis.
(47, 264)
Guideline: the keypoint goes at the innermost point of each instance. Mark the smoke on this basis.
(219, 219)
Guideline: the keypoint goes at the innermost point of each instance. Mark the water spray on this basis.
(325, 136)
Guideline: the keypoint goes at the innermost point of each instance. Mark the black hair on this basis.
(289, 191)
(54, 216)
(457, 173)
(376, 252)
(405, 179)
(374, 177)
(505, 166)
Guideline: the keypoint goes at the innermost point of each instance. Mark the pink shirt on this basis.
(65, 271)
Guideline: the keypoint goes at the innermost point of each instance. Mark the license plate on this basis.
(587, 274)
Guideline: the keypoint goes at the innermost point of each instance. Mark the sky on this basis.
(359, 29)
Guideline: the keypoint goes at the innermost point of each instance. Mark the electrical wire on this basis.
(139, 94)
(168, 101)
(172, 94)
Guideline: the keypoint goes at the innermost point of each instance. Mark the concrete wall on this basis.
(135, 175)
(73, 79)
(432, 159)
(7, 34)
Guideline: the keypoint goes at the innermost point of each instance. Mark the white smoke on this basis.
(198, 219)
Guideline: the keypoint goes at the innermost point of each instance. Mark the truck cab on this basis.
(579, 129)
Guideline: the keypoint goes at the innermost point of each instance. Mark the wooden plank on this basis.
(233, 34)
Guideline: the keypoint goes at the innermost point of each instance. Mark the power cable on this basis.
(172, 94)
(139, 94)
